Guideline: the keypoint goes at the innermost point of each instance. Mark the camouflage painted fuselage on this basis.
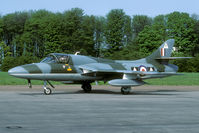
(68, 68)
(74, 71)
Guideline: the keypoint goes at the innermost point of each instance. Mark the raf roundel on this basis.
(143, 68)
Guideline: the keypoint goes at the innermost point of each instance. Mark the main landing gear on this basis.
(125, 90)
(47, 90)
(86, 86)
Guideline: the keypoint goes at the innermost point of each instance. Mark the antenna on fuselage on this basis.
(77, 53)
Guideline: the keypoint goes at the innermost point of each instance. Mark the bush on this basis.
(10, 62)
(188, 65)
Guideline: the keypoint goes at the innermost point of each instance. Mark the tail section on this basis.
(164, 51)
(161, 57)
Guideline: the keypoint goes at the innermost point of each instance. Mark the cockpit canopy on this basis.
(56, 58)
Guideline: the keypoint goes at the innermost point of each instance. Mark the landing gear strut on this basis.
(47, 90)
(29, 83)
(125, 90)
(86, 86)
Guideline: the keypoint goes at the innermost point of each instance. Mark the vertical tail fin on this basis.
(163, 51)
(157, 58)
(162, 55)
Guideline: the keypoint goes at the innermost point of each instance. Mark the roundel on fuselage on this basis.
(143, 68)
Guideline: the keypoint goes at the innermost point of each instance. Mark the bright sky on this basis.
(102, 7)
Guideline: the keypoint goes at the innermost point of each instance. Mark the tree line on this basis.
(115, 36)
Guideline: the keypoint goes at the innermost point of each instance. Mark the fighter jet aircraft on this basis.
(79, 69)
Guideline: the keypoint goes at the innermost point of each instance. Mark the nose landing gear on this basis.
(29, 83)
(47, 90)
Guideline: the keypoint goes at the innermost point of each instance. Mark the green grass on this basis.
(186, 79)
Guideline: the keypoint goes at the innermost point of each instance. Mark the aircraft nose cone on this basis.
(17, 70)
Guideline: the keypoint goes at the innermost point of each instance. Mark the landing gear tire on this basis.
(47, 91)
(87, 87)
(125, 90)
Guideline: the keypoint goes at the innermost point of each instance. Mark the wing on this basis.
(130, 78)
(92, 68)
(101, 68)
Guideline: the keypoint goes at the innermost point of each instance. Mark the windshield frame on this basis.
(57, 58)
(49, 59)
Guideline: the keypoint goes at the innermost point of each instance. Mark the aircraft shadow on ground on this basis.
(107, 92)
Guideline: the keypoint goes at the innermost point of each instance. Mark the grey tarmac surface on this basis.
(148, 109)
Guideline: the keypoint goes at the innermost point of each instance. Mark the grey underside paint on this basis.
(125, 82)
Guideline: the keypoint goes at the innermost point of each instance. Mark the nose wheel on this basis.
(125, 90)
(47, 90)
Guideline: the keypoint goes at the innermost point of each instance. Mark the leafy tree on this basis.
(130, 52)
(4, 51)
(150, 39)
(139, 22)
(88, 26)
(161, 22)
(190, 65)
(33, 37)
(128, 31)
(116, 36)
(181, 27)
(1, 36)
(13, 25)
(53, 34)
(73, 30)
(1, 29)
(115, 29)
(196, 32)
(99, 29)
(10, 62)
